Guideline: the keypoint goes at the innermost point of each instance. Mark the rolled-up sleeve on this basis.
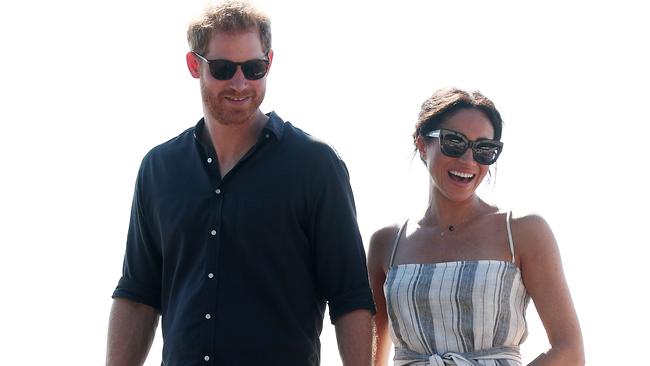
(340, 257)
(141, 272)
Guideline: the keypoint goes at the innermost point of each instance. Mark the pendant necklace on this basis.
(450, 228)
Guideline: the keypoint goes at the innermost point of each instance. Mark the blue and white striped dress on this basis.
(461, 313)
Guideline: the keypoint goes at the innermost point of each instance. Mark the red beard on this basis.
(227, 113)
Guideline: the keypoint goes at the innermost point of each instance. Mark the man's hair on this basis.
(446, 102)
(230, 16)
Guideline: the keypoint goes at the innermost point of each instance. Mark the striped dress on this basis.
(461, 313)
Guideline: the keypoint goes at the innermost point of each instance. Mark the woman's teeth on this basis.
(460, 176)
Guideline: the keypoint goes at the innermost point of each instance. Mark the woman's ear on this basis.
(421, 146)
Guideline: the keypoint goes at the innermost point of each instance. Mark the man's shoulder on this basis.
(174, 147)
(307, 145)
(167, 158)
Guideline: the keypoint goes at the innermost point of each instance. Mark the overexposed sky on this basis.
(89, 87)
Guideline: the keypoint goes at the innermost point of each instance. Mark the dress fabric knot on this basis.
(408, 357)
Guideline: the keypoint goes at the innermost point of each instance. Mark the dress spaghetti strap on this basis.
(512, 245)
(399, 235)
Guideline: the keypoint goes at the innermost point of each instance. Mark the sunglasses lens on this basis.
(222, 69)
(254, 69)
(486, 153)
(225, 69)
(453, 145)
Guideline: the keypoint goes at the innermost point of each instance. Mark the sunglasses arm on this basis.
(435, 134)
(201, 57)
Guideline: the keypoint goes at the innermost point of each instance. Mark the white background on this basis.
(88, 87)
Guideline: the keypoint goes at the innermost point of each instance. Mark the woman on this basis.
(454, 285)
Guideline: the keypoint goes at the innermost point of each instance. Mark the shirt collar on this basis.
(275, 124)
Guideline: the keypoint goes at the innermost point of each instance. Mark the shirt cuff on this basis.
(131, 290)
(359, 299)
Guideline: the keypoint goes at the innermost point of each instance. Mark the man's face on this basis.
(233, 101)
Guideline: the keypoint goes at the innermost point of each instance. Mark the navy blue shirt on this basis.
(241, 266)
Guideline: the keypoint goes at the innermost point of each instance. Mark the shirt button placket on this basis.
(211, 275)
(213, 233)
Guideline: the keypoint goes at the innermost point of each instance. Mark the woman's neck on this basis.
(443, 212)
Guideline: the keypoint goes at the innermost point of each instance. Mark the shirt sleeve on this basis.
(141, 272)
(340, 257)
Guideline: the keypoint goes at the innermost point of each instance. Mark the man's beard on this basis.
(225, 114)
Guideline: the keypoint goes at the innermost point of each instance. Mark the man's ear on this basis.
(270, 56)
(193, 64)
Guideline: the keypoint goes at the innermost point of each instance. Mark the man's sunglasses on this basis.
(454, 144)
(225, 69)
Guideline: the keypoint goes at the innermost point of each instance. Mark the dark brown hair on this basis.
(447, 101)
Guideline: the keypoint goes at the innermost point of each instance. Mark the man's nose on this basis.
(238, 81)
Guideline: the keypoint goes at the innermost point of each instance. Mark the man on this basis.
(242, 227)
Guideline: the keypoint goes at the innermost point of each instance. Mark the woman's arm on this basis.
(379, 251)
(542, 273)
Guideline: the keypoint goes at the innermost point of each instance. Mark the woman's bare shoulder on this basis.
(381, 245)
(384, 237)
(529, 222)
(531, 233)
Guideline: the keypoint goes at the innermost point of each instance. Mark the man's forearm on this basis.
(131, 330)
(354, 337)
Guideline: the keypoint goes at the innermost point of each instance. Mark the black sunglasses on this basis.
(454, 144)
(225, 69)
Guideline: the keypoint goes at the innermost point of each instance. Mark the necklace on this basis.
(450, 228)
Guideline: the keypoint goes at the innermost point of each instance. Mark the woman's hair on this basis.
(447, 101)
(228, 17)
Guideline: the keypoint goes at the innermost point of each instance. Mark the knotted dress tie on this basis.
(460, 358)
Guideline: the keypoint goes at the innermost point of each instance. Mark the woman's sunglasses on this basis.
(225, 69)
(454, 144)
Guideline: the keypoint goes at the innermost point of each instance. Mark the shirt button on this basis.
(217, 191)
(207, 358)
(267, 135)
(209, 160)
(213, 232)
(208, 316)
(210, 275)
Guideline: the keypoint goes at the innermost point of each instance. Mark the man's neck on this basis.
(232, 141)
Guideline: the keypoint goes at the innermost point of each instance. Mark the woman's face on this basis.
(457, 178)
